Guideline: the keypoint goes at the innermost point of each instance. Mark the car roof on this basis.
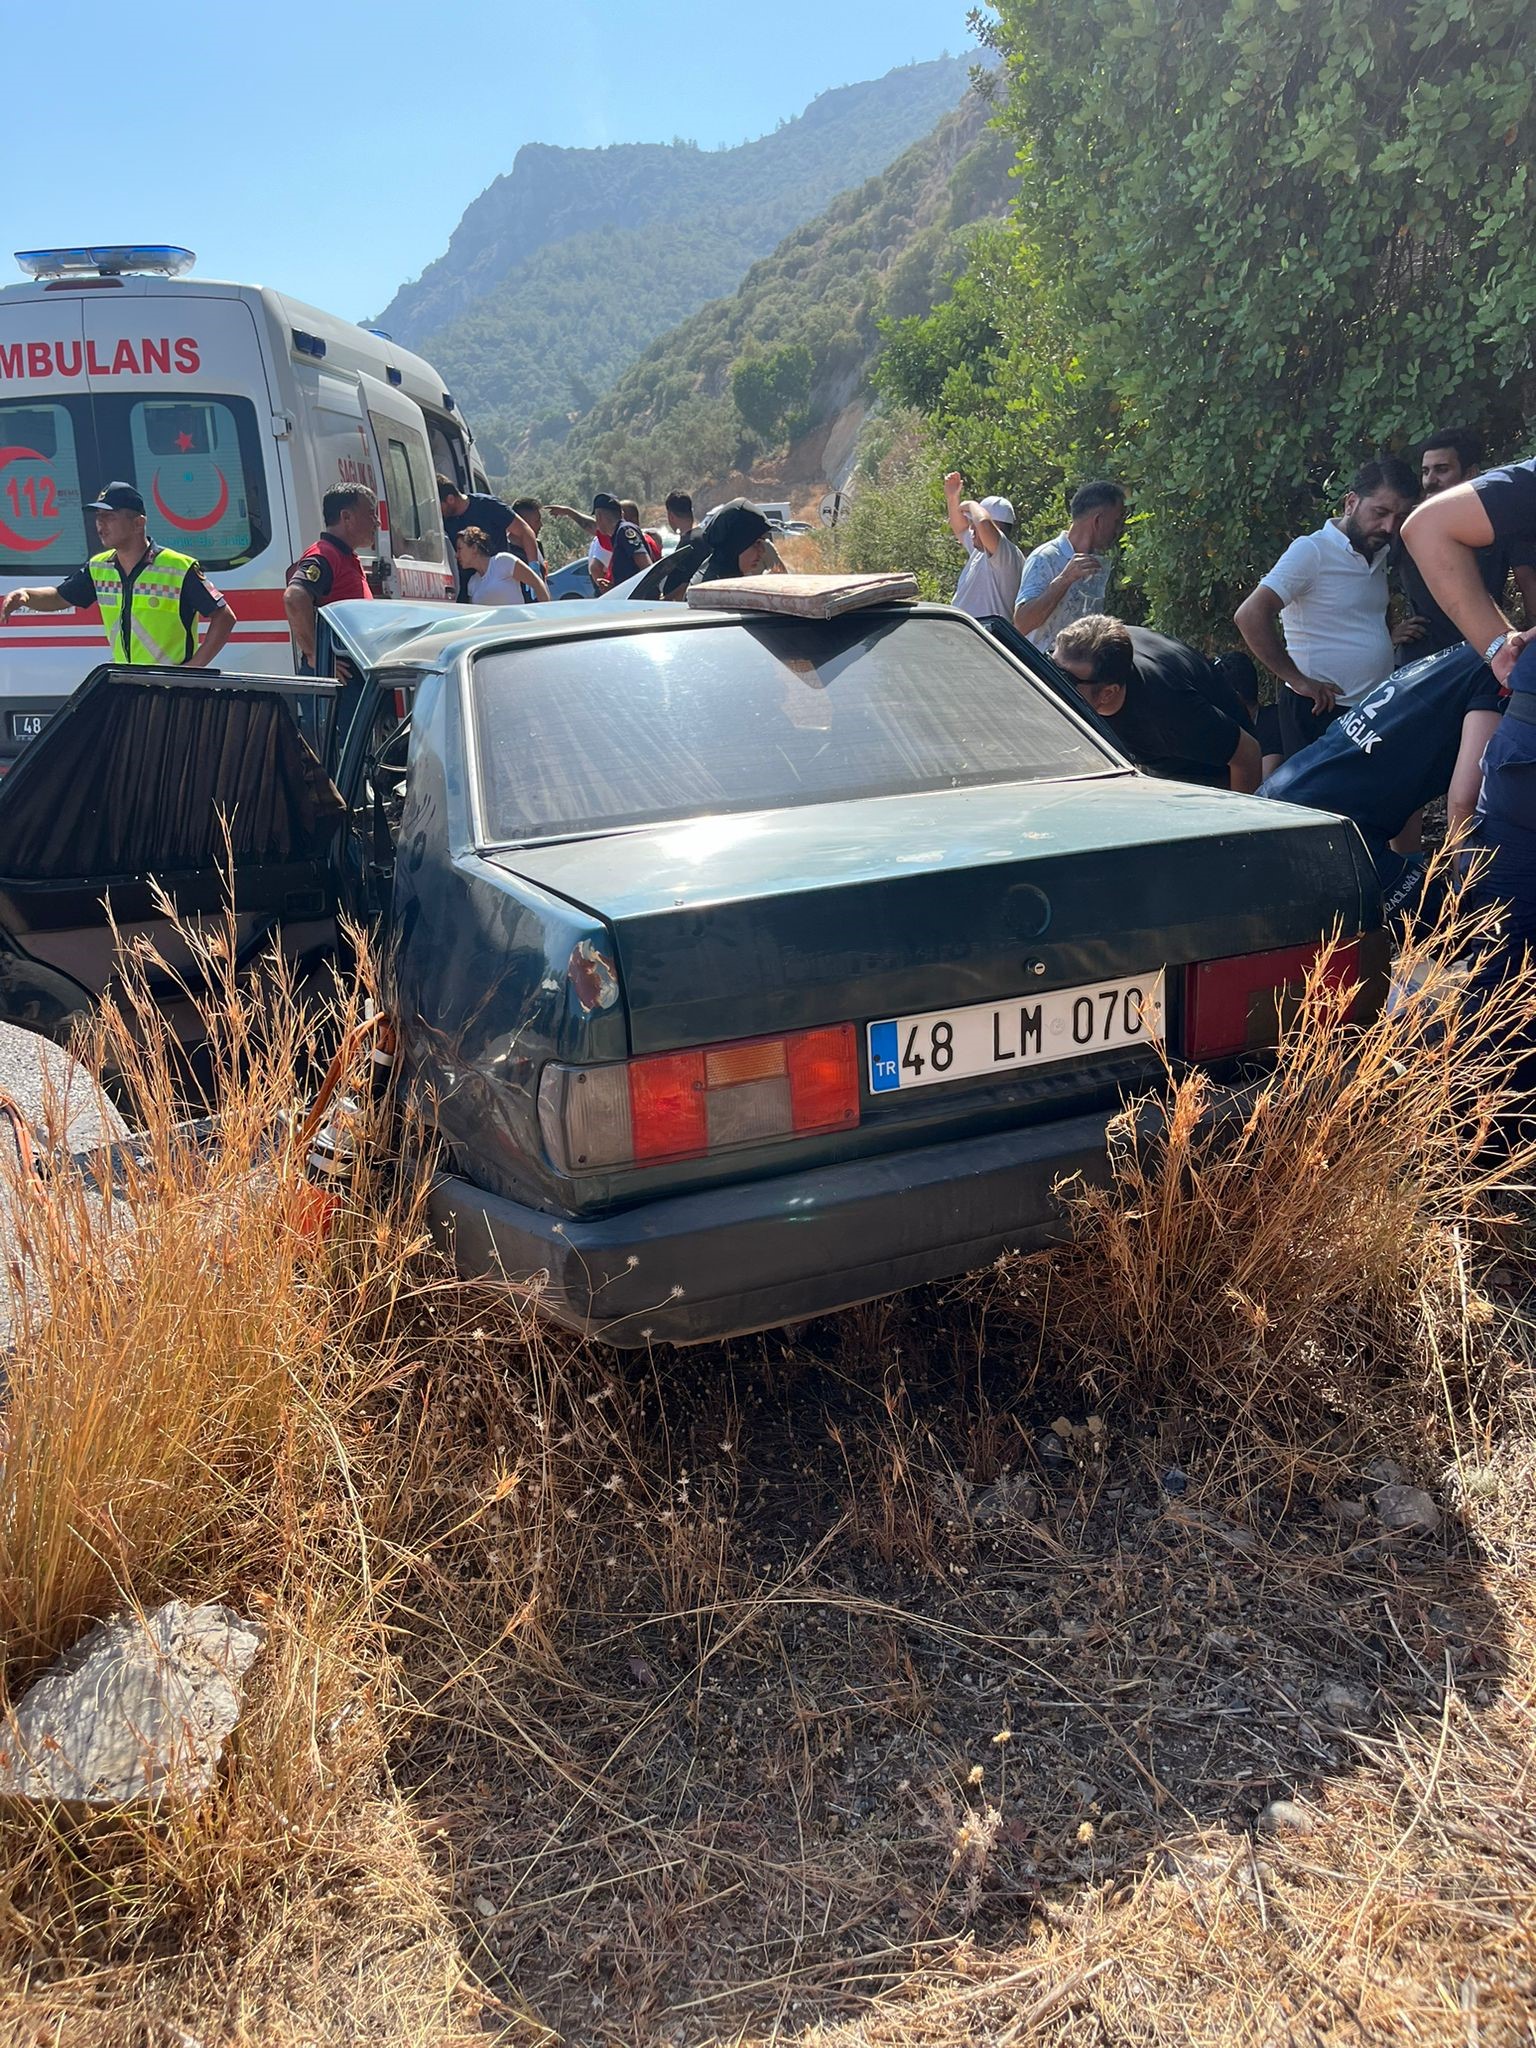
(410, 635)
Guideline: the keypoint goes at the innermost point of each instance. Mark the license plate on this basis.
(26, 725)
(1025, 1031)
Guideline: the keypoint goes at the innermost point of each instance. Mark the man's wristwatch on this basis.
(1493, 647)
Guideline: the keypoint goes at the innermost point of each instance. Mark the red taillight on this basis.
(824, 1079)
(1237, 1005)
(685, 1105)
(667, 1112)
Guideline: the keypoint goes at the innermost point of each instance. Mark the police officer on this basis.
(328, 570)
(151, 597)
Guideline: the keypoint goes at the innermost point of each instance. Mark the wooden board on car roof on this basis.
(803, 597)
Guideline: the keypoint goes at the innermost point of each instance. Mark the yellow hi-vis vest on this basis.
(155, 631)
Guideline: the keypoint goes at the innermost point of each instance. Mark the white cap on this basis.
(998, 510)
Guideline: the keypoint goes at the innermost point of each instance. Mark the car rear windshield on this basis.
(596, 733)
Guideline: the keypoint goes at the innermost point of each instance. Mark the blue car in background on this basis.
(574, 580)
(747, 965)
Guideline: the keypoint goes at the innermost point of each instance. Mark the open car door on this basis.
(185, 779)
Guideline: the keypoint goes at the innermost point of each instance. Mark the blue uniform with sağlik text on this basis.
(1381, 761)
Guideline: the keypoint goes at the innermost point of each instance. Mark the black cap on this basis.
(117, 498)
(606, 502)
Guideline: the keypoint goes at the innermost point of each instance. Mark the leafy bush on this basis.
(994, 370)
(1282, 237)
(771, 389)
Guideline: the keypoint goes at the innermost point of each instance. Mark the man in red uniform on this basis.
(328, 570)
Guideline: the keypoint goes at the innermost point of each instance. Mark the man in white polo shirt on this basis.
(1329, 591)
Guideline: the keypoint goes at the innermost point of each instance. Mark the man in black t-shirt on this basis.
(500, 524)
(1444, 537)
(1171, 709)
(1419, 735)
(1449, 458)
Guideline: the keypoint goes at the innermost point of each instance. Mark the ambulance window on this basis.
(198, 463)
(415, 521)
(449, 455)
(42, 525)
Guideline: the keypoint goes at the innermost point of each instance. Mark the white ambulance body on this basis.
(233, 409)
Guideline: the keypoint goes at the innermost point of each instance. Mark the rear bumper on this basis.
(715, 1264)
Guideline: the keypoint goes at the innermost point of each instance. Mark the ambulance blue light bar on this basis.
(157, 259)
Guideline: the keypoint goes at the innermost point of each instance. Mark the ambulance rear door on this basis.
(183, 409)
(48, 472)
(411, 539)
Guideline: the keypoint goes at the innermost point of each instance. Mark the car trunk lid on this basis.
(776, 921)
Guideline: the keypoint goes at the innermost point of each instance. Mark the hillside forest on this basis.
(563, 270)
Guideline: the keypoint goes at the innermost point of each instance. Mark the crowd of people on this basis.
(1399, 676)
(1319, 621)
(1399, 673)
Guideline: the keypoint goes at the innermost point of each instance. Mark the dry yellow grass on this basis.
(656, 1704)
(203, 1401)
(1272, 1261)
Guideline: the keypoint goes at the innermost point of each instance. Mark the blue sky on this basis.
(309, 148)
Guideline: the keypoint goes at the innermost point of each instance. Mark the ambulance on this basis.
(233, 409)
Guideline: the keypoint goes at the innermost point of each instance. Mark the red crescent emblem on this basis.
(192, 525)
(9, 537)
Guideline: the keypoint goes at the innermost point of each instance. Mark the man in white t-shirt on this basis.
(1329, 591)
(989, 581)
(1068, 578)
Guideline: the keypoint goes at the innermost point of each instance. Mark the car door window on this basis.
(380, 798)
(450, 458)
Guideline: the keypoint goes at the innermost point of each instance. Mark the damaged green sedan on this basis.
(750, 965)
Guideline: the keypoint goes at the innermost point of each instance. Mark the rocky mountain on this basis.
(888, 248)
(562, 271)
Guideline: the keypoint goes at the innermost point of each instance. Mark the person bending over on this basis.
(1167, 705)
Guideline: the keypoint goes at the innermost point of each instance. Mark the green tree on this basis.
(771, 388)
(1287, 233)
(994, 369)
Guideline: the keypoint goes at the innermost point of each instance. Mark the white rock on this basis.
(1406, 1507)
(140, 1708)
(1283, 1816)
(1348, 1706)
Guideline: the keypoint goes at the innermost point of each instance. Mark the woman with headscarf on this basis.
(737, 539)
(734, 542)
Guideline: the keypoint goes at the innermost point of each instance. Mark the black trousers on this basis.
(1300, 725)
